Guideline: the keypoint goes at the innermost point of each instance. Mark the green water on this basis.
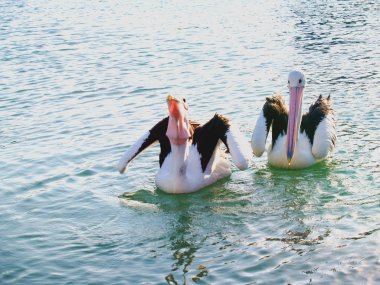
(82, 80)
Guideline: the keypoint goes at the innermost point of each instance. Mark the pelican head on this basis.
(179, 130)
(296, 85)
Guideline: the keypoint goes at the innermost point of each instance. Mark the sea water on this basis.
(80, 81)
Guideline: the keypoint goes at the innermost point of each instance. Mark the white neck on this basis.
(179, 157)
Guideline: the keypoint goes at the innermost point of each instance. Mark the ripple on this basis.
(82, 81)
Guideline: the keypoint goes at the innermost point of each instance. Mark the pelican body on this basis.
(190, 157)
(298, 141)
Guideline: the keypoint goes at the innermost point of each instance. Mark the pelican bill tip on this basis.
(289, 157)
(171, 98)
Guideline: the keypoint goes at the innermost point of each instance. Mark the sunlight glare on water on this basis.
(80, 81)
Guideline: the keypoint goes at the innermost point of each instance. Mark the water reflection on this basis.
(183, 245)
(296, 196)
(178, 212)
(190, 220)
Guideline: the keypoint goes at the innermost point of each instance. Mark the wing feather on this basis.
(218, 128)
(320, 127)
(157, 133)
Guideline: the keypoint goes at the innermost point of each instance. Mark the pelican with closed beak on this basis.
(298, 141)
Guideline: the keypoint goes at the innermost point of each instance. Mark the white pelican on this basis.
(190, 158)
(298, 141)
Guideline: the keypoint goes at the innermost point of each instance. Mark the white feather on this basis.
(181, 171)
(259, 135)
(323, 137)
(239, 148)
(302, 154)
(305, 154)
(131, 152)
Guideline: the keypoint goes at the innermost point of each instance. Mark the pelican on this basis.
(190, 157)
(298, 141)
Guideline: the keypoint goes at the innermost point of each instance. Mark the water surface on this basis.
(82, 80)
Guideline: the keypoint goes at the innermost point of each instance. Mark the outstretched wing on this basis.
(274, 109)
(218, 128)
(319, 125)
(157, 133)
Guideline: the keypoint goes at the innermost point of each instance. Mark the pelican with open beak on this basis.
(190, 157)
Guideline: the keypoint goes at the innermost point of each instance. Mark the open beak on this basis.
(178, 130)
(294, 120)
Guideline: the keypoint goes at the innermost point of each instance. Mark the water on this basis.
(82, 80)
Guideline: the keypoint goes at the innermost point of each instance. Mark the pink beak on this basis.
(178, 130)
(294, 119)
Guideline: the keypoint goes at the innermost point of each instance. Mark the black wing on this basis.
(206, 139)
(157, 133)
(274, 114)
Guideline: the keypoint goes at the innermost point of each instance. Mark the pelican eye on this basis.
(184, 100)
(288, 81)
(299, 81)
